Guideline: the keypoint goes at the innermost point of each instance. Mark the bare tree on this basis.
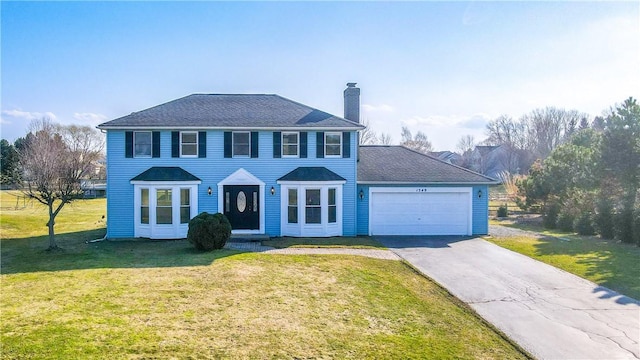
(54, 161)
(419, 143)
(385, 139)
(368, 136)
(465, 147)
(549, 127)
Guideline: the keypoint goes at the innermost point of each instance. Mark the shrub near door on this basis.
(209, 231)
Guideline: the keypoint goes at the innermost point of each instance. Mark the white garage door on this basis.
(420, 211)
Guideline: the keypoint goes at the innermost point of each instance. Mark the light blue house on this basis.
(274, 166)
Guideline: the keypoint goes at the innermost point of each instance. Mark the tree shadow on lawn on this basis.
(24, 255)
(606, 262)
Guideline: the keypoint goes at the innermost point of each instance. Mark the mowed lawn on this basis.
(605, 262)
(162, 299)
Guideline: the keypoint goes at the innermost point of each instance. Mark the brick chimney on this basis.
(352, 102)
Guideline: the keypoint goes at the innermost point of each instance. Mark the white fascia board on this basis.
(165, 183)
(413, 183)
(298, 183)
(420, 189)
(248, 128)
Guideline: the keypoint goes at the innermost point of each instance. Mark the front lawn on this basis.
(605, 262)
(162, 299)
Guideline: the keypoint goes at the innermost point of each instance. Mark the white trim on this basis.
(175, 230)
(282, 144)
(290, 128)
(419, 189)
(301, 183)
(197, 144)
(169, 183)
(334, 133)
(243, 177)
(301, 228)
(425, 183)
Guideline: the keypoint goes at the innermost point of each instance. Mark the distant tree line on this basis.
(588, 183)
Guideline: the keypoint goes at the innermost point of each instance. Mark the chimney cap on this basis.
(351, 84)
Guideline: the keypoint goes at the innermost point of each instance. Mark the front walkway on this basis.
(550, 313)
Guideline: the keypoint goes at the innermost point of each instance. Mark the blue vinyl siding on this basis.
(213, 169)
(479, 206)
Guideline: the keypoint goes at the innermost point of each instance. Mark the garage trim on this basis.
(424, 189)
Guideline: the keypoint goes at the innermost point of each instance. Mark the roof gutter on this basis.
(138, 128)
(494, 182)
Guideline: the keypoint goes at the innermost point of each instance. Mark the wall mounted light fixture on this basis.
(479, 193)
(361, 194)
(209, 191)
(273, 190)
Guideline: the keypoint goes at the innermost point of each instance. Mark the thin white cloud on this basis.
(28, 115)
(90, 118)
(369, 108)
(477, 121)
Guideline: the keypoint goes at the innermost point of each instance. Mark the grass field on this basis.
(162, 299)
(605, 262)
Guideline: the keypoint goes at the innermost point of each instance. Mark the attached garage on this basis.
(404, 192)
(420, 211)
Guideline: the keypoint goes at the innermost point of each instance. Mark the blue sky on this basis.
(444, 68)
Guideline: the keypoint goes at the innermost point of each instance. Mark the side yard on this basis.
(162, 299)
(605, 262)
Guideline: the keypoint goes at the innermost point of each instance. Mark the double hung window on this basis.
(333, 144)
(241, 144)
(290, 144)
(142, 143)
(189, 143)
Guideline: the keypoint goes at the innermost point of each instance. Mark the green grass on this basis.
(359, 242)
(605, 262)
(162, 299)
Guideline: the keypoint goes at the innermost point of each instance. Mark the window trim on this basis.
(233, 144)
(150, 144)
(333, 133)
(197, 144)
(302, 228)
(282, 144)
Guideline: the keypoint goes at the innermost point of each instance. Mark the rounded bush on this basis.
(584, 224)
(209, 231)
(550, 215)
(502, 211)
(565, 221)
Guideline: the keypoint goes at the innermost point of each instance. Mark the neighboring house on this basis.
(490, 160)
(277, 167)
(448, 157)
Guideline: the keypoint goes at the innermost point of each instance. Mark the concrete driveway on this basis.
(549, 312)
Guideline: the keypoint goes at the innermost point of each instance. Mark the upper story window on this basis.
(142, 143)
(333, 144)
(241, 144)
(290, 144)
(189, 144)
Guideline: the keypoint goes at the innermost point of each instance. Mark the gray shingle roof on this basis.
(312, 174)
(231, 111)
(169, 173)
(397, 164)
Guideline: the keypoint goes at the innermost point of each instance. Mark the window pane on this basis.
(163, 197)
(313, 197)
(332, 214)
(189, 138)
(144, 215)
(333, 150)
(293, 197)
(290, 150)
(293, 215)
(184, 196)
(185, 214)
(189, 149)
(144, 197)
(241, 144)
(313, 215)
(142, 143)
(163, 215)
(332, 196)
(333, 139)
